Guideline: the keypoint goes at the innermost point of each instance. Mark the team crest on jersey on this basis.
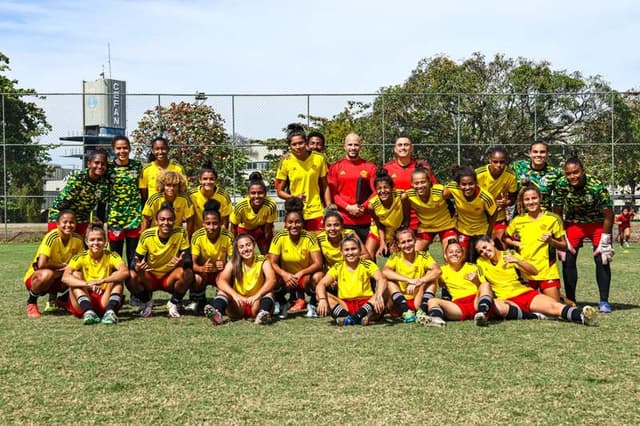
(98, 193)
(588, 198)
(543, 181)
(342, 173)
(393, 176)
(364, 173)
(133, 173)
(304, 253)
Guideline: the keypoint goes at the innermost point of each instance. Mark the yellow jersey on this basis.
(252, 278)
(506, 183)
(473, 215)
(53, 247)
(245, 217)
(356, 283)
(181, 206)
(390, 217)
(304, 179)
(150, 174)
(541, 255)
(456, 281)
(202, 248)
(198, 200)
(92, 271)
(434, 214)
(504, 278)
(159, 254)
(331, 254)
(422, 263)
(294, 257)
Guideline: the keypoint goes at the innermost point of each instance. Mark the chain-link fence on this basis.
(446, 129)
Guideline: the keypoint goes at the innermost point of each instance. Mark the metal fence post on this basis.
(308, 110)
(384, 159)
(233, 136)
(4, 172)
(613, 142)
(458, 141)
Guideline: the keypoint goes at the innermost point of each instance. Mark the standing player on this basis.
(159, 162)
(538, 172)
(208, 190)
(588, 213)
(315, 142)
(171, 188)
(623, 220)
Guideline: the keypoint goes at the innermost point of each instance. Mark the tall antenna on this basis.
(109, 56)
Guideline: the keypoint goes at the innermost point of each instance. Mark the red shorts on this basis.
(96, 303)
(257, 234)
(500, 226)
(577, 232)
(313, 225)
(121, 234)
(248, 311)
(443, 235)
(81, 228)
(621, 228)
(373, 237)
(524, 300)
(158, 283)
(467, 306)
(465, 241)
(209, 278)
(56, 286)
(354, 305)
(543, 284)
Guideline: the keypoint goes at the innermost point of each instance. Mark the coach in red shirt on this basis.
(351, 183)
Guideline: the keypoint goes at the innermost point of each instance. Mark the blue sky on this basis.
(325, 46)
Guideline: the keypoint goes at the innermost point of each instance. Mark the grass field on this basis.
(55, 370)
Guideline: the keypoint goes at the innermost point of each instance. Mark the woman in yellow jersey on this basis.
(159, 162)
(95, 277)
(536, 234)
(500, 181)
(162, 262)
(471, 296)
(211, 248)
(432, 210)
(171, 188)
(245, 286)
(515, 300)
(356, 302)
(295, 256)
(208, 190)
(476, 208)
(388, 210)
(54, 252)
(255, 214)
(409, 273)
(306, 174)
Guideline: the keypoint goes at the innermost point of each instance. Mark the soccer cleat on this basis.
(589, 316)
(213, 314)
(311, 311)
(263, 318)
(90, 318)
(147, 309)
(480, 318)
(540, 316)
(32, 311)
(135, 302)
(191, 307)
(110, 317)
(345, 321)
(284, 311)
(604, 307)
(298, 306)
(409, 317)
(420, 315)
(51, 307)
(173, 310)
(626, 244)
(435, 322)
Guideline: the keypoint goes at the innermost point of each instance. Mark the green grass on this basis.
(55, 370)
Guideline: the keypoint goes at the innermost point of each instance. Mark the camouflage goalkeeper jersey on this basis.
(544, 179)
(125, 203)
(80, 195)
(582, 205)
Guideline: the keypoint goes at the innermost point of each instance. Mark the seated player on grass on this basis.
(515, 300)
(162, 262)
(355, 302)
(95, 278)
(245, 285)
(44, 275)
(408, 273)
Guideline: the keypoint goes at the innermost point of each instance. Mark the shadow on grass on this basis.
(614, 306)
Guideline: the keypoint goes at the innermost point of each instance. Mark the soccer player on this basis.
(432, 210)
(623, 220)
(537, 171)
(409, 273)
(162, 262)
(83, 191)
(537, 234)
(586, 206)
(159, 162)
(57, 247)
(211, 248)
(209, 190)
(171, 188)
(306, 173)
(515, 300)
(95, 278)
(124, 216)
(245, 286)
(255, 214)
(471, 296)
(351, 181)
(475, 206)
(356, 302)
(388, 209)
(295, 256)
(500, 181)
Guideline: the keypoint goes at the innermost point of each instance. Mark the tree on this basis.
(26, 160)
(196, 134)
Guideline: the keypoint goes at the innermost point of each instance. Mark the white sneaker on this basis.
(480, 318)
(311, 312)
(284, 311)
(173, 310)
(147, 309)
(541, 316)
(589, 316)
(626, 244)
(263, 318)
(435, 322)
(191, 307)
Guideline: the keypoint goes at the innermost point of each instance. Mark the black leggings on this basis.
(570, 276)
